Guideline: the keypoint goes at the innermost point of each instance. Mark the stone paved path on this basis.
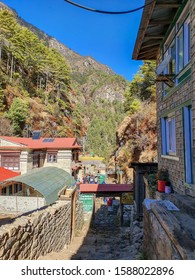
(103, 240)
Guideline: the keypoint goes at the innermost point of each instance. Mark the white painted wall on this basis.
(20, 203)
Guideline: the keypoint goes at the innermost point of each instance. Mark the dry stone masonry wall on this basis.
(39, 233)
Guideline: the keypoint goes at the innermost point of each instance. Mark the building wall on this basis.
(192, 9)
(174, 102)
(24, 162)
(34, 235)
(20, 204)
(8, 143)
(64, 161)
(64, 158)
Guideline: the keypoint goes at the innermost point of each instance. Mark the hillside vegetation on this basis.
(46, 86)
(137, 135)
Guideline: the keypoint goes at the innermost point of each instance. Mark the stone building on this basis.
(166, 34)
(24, 154)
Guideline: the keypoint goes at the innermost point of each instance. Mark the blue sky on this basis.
(109, 39)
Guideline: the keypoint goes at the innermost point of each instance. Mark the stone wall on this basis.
(36, 234)
(168, 233)
(79, 217)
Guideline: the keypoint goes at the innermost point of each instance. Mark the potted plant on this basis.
(163, 178)
(168, 188)
(152, 184)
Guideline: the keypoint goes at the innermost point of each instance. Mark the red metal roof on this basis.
(57, 143)
(95, 188)
(6, 174)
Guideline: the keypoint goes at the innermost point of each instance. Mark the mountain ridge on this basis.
(93, 93)
(53, 42)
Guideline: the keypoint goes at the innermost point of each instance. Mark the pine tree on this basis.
(18, 114)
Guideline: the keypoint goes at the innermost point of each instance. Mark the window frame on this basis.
(168, 135)
(36, 160)
(188, 151)
(182, 26)
(10, 161)
(52, 157)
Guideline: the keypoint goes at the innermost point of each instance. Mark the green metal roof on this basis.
(48, 181)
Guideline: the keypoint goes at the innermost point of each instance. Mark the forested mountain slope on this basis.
(45, 85)
(137, 134)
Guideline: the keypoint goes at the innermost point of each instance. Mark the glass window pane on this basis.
(173, 59)
(180, 52)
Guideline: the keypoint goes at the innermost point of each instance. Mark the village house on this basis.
(166, 34)
(24, 154)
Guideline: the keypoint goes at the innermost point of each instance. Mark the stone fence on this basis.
(40, 232)
(20, 204)
(169, 234)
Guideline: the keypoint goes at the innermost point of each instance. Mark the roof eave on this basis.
(146, 15)
(155, 22)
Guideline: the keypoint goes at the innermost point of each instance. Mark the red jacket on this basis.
(109, 202)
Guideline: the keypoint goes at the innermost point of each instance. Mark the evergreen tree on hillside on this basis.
(26, 54)
(101, 132)
(142, 88)
(18, 113)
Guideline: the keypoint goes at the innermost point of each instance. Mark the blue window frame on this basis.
(187, 124)
(180, 51)
(172, 52)
(178, 46)
(168, 135)
(187, 46)
(183, 46)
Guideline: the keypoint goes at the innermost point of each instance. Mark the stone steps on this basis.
(103, 240)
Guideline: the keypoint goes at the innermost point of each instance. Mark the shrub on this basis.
(163, 174)
(152, 184)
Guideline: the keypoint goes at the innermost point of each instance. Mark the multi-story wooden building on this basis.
(167, 35)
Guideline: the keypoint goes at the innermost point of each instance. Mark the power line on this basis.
(108, 12)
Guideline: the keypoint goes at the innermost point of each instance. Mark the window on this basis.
(183, 45)
(36, 160)
(52, 157)
(168, 135)
(172, 52)
(3, 192)
(178, 46)
(17, 188)
(187, 41)
(180, 51)
(187, 122)
(10, 162)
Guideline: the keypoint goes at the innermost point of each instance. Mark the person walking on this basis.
(109, 204)
(96, 179)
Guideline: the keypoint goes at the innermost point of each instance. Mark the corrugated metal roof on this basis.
(6, 174)
(48, 181)
(63, 143)
(95, 188)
